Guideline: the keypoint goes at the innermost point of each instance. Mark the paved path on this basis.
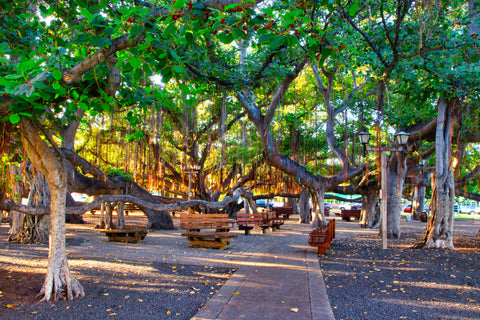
(278, 279)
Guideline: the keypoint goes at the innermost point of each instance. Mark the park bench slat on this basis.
(322, 237)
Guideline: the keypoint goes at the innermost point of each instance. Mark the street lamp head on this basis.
(402, 137)
(364, 137)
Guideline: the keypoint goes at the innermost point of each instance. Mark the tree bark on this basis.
(418, 203)
(368, 215)
(304, 207)
(120, 216)
(58, 277)
(439, 232)
(396, 170)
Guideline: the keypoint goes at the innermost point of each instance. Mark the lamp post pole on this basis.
(401, 138)
(384, 189)
(384, 198)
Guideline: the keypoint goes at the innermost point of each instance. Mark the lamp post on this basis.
(400, 138)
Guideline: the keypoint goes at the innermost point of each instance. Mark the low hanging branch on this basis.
(9, 205)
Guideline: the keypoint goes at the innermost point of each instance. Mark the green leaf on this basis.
(57, 75)
(13, 76)
(169, 30)
(135, 62)
(14, 118)
(83, 106)
(352, 49)
(86, 13)
(266, 37)
(325, 54)
(4, 82)
(100, 42)
(178, 4)
(278, 41)
(189, 38)
(226, 38)
(354, 9)
(179, 69)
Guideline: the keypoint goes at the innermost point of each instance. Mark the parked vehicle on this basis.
(408, 208)
(356, 207)
(262, 203)
(327, 205)
(469, 209)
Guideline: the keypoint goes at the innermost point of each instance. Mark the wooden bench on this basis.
(350, 213)
(248, 221)
(283, 212)
(125, 235)
(272, 221)
(207, 230)
(322, 237)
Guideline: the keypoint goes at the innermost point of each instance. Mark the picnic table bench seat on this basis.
(125, 235)
(272, 221)
(347, 214)
(322, 237)
(207, 230)
(248, 221)
(283, 212)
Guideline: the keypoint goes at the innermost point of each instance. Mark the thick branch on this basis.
(10, 205)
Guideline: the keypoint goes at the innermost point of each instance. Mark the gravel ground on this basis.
(365, 282)
(116, 289)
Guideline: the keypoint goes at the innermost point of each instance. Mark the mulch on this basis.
(365, 282)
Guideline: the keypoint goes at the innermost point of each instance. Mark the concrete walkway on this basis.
(279, 279)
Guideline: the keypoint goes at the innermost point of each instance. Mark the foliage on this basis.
(185, 59)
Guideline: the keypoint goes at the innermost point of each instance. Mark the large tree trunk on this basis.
(396, 169)
(368, 215)
(418, 202)
(440, 229)
(304, 207)
(58, 278)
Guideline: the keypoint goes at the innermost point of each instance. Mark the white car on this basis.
(470, 209)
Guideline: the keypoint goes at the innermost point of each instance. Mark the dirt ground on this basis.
(365, 282)
(115, 288)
